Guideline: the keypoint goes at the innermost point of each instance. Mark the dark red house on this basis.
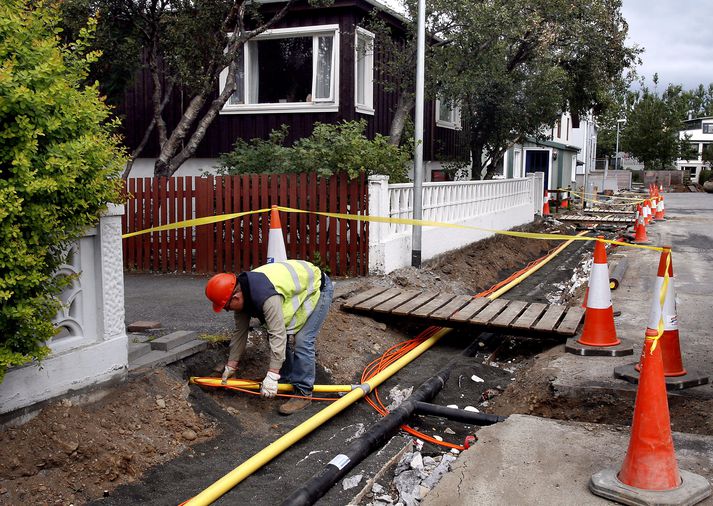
(319, 64)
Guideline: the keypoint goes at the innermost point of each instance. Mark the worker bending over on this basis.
(292, 298)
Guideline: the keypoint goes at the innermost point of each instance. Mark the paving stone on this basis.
(173, 340)
(143, 326)
(137, 350)
(158, 358)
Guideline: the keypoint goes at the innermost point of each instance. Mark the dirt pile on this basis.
(70, 454)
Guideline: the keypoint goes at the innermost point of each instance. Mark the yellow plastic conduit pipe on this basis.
(255, 385)
(227, 482)
(535, 268)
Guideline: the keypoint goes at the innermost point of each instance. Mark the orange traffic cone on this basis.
(276, 251)
(650, 473)
(647, 211)
(660, 210)
(599, 333)
(640, 236)
(546, 205)
(669, 342)
(676, 375)
(599, 329)
(650, 461)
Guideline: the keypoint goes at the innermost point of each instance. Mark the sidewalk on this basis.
(530, 460)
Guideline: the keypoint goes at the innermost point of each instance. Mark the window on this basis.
(287, 70)
(447, 114)
(364, 71)
(708, 128)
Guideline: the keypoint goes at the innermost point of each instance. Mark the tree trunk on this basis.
(403, 110)
(476, 154)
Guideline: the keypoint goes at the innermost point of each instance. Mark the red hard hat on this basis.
(219, 289)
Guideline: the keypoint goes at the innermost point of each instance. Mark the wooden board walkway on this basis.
(608, 211)
(450, 310)
(595, 219)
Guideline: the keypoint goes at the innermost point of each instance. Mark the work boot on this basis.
(294, 405)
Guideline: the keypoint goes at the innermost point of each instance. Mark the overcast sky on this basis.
(676, 36)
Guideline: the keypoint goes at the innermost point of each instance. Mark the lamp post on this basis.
(616, 155)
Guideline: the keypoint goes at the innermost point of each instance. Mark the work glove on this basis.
(227, 373)
(269, 385)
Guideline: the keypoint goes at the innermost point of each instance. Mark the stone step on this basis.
(143, 326)
(173, 340)
(157, 358)
(137, 350)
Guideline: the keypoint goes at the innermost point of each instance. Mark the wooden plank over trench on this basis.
(596, 219)
(451, 310)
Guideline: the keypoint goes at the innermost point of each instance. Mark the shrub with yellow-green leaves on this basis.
(59, 166)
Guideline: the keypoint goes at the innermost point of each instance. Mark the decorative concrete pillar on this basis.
(91, 346)
(378, 232)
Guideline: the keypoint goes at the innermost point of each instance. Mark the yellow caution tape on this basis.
(662, 300)
(381, 219)
(633, 199)
(193, 223)
(427, 223)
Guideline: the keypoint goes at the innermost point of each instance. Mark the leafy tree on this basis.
(652, 130)
(187, 45)
(330, 149)
(59, 166)
(514, 65)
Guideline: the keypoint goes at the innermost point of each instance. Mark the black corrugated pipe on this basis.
(377, 435)
(459, 415)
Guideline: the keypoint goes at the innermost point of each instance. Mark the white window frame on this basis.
(455, 124)
(368, 106)
(330, 104)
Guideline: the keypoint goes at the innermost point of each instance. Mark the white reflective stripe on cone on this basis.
(670, 317)
(276, 246)
(599, 293)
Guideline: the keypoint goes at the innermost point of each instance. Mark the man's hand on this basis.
(269, 385)
(227, 373)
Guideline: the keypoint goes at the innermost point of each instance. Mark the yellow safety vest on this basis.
(298, 282)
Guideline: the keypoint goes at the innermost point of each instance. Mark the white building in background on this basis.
(699, 132)
(584, 136)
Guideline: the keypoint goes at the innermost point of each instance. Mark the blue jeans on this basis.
(299, 366)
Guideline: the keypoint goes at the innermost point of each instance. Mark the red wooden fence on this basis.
(241, 244)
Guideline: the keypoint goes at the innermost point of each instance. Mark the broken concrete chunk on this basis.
(351, 481)
(407, 483)
(377, 489)
(417, 461)
(404, 463)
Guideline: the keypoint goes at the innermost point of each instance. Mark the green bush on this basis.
(331, 149)
(59, 166)
(706, 174)
(258, 156)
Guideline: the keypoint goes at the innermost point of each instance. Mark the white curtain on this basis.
(323, 85)
(238, 96)
(253, 73)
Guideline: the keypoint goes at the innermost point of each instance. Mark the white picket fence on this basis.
(498, 205)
